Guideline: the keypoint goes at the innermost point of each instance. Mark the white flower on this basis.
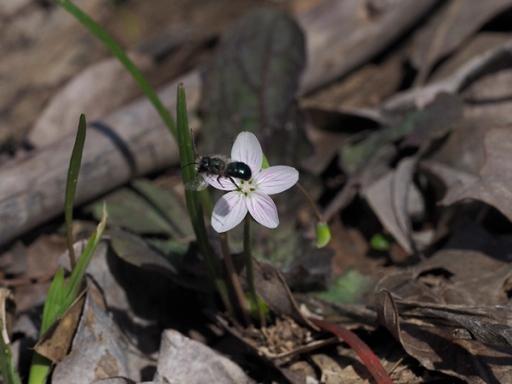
(252, 195)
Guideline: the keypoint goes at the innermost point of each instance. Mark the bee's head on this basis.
(204, 164)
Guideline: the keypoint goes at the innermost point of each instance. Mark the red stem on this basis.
(369, 359)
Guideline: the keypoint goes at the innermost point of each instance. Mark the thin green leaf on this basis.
(40, 366)
(188, 174)
(195, 210)
(119, 53)
(74, 283)
(39, 369)
(53, 301)
(71, 182)
(61, 295)
(9, 373)
(323, 234)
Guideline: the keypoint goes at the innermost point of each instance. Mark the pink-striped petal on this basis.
(247, 149)
(222, 183)
(276, 179)
(229, 211)
(262, 209)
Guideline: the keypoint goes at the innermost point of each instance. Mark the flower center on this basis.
(247, 187)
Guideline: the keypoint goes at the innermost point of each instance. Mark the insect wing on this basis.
(198, 184)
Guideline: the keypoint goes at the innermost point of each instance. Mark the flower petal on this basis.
(229, 211)
(247, 149)
(222, 183)
(276, 179)
(262, 209)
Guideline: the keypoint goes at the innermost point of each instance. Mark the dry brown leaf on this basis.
(367, 30)
(456, 21)
(444, 348)
(183, 360)
(476, 46)
(55, 343)
(494, 184)
(488, 62)
(99, 350)
(392, 198)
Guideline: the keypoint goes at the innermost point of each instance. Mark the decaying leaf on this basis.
(365, 88)
(391, 198)
(490, 61)
(456, 21)
(490, 99)
(476, 46)
(98, 351)
(271, 286)
(367, 28)
(493, 185)
(450, 312)
(449, 348)
(55, 343)
(183, 360)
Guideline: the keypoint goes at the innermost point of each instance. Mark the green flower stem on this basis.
(206, 202)
(249, 270)
(238, 292)
(323, 232)
(97, 31)
(311, 202)
(194, 205)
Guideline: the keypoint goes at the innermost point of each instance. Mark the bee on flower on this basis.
(248, 185)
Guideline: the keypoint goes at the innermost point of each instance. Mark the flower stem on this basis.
(249, 270)
(238, 292)
(311, 202)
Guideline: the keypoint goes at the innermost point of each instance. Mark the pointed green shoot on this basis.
(323, 234)
(380, 242)
(9, 373)
(61, 295)
(71, 182)
(102, 35)
(194, 206)
(265, 163)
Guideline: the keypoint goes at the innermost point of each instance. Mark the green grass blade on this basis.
(9, 373)
(71, 182)
(40, 366)
(188, 174)
(53, 301)
(61, 295)
(74, 283)
(193, 198)
(119, 53)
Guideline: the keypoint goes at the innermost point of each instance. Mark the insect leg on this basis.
(218, 180)
(234, 183)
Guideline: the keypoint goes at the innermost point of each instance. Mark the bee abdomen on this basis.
(239, 170)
